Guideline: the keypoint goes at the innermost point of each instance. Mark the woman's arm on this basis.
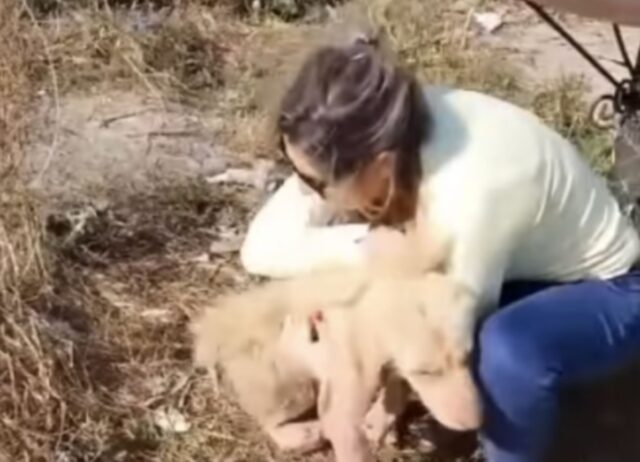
(487, 222)
(289, 235)
(620, 11)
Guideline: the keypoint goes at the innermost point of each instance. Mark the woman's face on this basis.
(368, 191)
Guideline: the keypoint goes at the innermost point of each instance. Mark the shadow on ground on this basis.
(598, 423)
(601, 423)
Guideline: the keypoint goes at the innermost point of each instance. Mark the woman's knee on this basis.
(509, 351)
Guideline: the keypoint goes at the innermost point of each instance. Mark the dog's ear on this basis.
(446, 384)
(448, 389)
(451, 396)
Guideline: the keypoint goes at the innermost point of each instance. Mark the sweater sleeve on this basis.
(290, 235)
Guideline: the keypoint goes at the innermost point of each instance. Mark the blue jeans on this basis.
(547, 337)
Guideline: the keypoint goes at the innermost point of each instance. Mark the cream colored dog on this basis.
(335, 341)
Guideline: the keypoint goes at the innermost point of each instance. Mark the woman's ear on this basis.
(378, 172)
(382, 199)
(374, 182)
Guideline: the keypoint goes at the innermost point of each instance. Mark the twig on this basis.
(166, 133)
(225, 437)
(12, 380)
(465, 28)
(109, 120)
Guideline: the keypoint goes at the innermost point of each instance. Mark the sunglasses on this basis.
(372, 212)
(319, 186)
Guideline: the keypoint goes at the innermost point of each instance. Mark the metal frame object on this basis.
(625, 101)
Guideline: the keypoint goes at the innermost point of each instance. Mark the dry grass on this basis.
(289, 10)
(140, 268)
(25, 382)
(161, 52)
(94, 305)
(15, 88)
(561, 104)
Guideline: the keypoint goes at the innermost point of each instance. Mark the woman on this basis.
(512, 201)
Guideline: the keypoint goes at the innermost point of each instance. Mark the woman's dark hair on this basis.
(347, 105)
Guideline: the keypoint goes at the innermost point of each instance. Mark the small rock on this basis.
(101, 205)
(202, 258)
(213, 165)
(225, 247)
(171, 420)
(258, 176)
(235, 175)
(62, 456)
(490, 22)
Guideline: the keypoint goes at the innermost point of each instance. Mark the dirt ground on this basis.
(545, 55)
(146, 161)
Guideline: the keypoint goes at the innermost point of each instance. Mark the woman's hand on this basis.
(385, 242)
(389, 248)
(415, 250)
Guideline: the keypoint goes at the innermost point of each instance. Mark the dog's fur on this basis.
(277, 345)
(397, 324)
